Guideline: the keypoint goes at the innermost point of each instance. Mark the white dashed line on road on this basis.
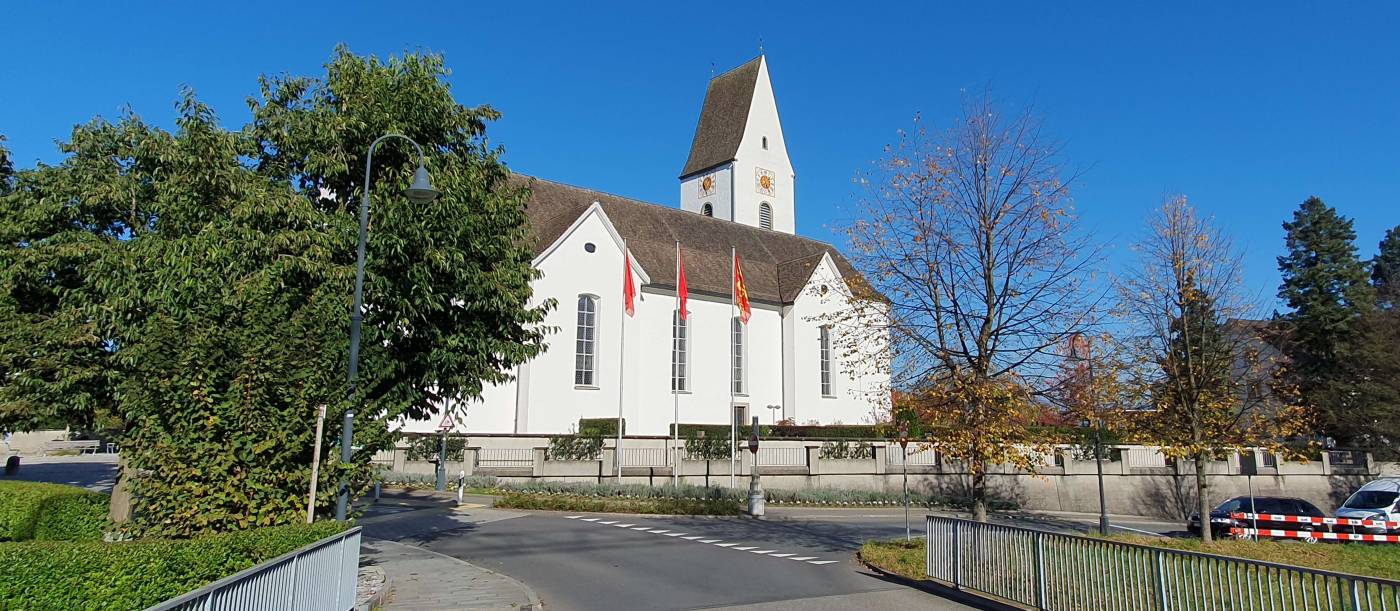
(753, 549)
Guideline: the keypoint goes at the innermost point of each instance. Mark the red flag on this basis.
(682, 289)
(629, 290)
(741, 292)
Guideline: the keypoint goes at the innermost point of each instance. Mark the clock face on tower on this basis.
(764, 181)
(707, 185)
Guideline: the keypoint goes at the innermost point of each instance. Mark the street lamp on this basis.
(1098, 463)
(904, 461)
(419, 192)
(755, 487)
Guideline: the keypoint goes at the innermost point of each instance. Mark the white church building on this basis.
(737, 193)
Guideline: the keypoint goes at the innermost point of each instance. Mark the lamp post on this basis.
(419, 192)
(1098, 463)
(904, 462)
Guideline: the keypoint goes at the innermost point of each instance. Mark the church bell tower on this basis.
(738, 168)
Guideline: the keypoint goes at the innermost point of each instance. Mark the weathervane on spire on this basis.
(760, 45)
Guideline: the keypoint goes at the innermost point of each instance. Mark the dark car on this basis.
(1221, 522)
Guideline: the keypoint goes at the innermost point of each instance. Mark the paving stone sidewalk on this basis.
(423, 579)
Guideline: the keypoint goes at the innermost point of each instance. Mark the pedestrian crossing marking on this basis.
(745, 549)
(753, 549)
(726, 544)
(822, 561)
(803, 558)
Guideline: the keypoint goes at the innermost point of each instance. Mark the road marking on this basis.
(753, 549)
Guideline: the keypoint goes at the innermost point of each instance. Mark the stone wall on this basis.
(1066, 481)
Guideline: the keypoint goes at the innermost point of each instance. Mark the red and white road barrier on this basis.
(1275, 517)
(1307, 534)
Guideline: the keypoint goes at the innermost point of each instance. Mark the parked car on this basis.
(1221, 522)
(1377, 500)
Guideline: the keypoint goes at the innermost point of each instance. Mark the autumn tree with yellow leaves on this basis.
(1202, 370)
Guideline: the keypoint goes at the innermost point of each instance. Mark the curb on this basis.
(381, 595)
(937, 589)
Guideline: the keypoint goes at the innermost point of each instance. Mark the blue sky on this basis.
(1245, 108)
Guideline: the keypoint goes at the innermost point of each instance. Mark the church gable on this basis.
(776, 265)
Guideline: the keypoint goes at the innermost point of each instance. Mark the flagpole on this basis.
(733, 425)
(675, 378)
(621, 357)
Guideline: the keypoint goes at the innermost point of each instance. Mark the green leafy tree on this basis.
(1324, 283)
(222, 289)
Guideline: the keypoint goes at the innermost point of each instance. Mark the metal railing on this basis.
(505, 457)
(318, 577)
(1052, 571)
(1139, 458)
(782, 457)
(921, 456)
(646, 457)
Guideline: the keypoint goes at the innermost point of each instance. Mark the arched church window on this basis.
(707, 210)
(765, 216)
(586, 342)
(824, 356)
(736, 354)
(680, 354)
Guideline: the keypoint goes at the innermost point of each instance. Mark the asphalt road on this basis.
(797, 559)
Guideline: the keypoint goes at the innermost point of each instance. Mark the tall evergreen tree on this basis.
(1385, 269)
(1325, 284)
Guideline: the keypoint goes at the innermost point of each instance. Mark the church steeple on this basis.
(738, 168)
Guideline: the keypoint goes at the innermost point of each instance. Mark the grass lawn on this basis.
(556, 502)
(1373, 560)
(1370, 559)
(904, 558)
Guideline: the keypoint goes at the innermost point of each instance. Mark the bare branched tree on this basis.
(967, 236)
(1202, 365)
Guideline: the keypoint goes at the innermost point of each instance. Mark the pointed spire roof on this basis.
(723, 118)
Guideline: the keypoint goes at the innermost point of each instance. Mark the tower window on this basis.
(707, 210)
(586, 341)
(765, 216)
(765, 143)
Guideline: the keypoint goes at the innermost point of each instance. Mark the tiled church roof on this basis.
(723, 118)
(776, 265)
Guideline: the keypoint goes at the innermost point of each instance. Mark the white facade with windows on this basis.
(784, 364)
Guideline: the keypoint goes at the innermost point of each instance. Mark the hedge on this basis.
(789, 431)
(137, 574)
(50, 512)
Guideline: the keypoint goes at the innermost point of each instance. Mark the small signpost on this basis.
(443, 428)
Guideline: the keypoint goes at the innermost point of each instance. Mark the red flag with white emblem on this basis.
(629, 290)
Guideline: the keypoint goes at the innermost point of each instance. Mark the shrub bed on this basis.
(137, 574)
(51, 512)
(903, 558)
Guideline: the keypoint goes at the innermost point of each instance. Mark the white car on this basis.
(1377, 500)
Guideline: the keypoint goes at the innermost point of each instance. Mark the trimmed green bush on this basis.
(51, 512)
(790, 431)
(606, 427)
(137, 574)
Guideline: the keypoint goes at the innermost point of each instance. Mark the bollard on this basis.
(755, 486)
(461, 486)
(376, 491)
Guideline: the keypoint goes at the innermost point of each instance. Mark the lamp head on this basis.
(421, 191)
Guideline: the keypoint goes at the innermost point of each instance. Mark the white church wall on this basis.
(854, 398)
(719, 197)
(763, 122)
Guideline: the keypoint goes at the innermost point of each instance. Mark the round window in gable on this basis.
(823, 289)
(589, 247)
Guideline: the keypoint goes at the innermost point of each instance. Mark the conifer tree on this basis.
(1324, 283)
(1385, 270)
